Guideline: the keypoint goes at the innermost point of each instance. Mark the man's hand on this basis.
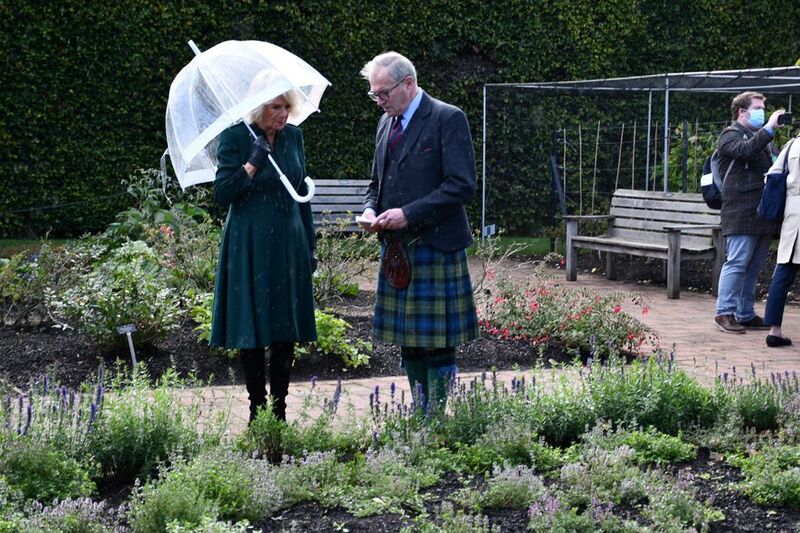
(391, 219)
(367, 221)
(772, 123)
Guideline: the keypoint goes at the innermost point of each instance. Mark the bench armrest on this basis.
(588, 217)
(681, 227)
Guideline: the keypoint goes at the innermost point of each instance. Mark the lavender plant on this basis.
(140, 426)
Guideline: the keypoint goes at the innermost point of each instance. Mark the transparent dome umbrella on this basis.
(216, 90)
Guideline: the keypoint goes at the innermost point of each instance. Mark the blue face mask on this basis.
(756, 118)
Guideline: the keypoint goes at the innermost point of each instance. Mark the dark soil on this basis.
(714, 479)
(71, 359)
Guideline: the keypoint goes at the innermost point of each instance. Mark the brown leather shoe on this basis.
(755, 323)
(728, 324)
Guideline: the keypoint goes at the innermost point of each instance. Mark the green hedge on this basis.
(84, 84)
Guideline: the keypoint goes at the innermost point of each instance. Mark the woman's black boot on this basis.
(255, 378)
(280, 367)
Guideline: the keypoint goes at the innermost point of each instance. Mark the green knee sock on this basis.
(438, 383)
(417, 372)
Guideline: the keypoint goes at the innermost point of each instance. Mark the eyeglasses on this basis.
(383, 94)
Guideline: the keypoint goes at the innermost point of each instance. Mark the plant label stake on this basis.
(127, 330)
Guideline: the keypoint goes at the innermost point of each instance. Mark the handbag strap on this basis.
(786, 155)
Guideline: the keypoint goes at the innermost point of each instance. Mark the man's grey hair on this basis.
(397, 65)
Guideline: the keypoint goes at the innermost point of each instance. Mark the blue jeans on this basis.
(782, 279)
(737, 281)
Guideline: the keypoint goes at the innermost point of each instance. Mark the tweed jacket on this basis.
(789, 245)
(752, 154)
(434, 175)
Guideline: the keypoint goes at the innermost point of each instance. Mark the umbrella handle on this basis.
(290, 188)
(293, 193)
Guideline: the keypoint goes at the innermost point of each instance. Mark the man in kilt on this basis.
(423, 173)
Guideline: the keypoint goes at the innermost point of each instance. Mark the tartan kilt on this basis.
(437, 309)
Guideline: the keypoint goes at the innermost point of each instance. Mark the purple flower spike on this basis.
(375, 438)
(46, 384)
(313, 382)
(392, 389)
(92, 415)
(99, 398)
(28, 418)
(377, 394)
(371, 401)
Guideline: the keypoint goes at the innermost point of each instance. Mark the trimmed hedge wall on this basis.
(84, 84)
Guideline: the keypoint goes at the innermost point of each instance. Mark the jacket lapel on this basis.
(416, 125)
(380, 149)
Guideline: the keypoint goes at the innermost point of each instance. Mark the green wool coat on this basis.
(263, 291)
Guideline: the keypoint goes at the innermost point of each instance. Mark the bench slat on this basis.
(637, 228)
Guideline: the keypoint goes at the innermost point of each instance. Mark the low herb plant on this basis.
(772, 474)
(82, 515)
(651, 393)
(221, 484)
(758, 405)
(651, 446)
(512, 487)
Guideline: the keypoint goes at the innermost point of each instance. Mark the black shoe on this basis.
(755, 323)
(774, 341)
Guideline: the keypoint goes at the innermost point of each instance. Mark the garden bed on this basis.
(72, 359)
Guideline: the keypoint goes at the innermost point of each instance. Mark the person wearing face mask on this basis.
(745, 148)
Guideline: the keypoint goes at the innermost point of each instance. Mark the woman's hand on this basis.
(259, 151)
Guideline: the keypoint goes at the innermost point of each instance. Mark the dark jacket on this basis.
(434, 175)
(752, 154)
(263, 292)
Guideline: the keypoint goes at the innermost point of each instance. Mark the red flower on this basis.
(617, 308)
(490, 275)
(499, 300)
(645, 310)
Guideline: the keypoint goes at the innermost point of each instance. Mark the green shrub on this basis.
(225, 486)
(208, 525)
(41, 473)
(129, 286)
(650, 393)
(343, 258)
(332, 340)
(263, 436)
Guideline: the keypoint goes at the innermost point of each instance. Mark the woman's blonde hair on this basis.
(261, 81)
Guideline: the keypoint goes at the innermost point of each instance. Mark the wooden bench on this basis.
(672, 226)
(335, 200)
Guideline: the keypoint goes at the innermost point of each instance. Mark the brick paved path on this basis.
(687, 324)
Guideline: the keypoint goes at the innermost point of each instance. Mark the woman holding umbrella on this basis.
(263, 295)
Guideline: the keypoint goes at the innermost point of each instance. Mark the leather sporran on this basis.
(396, 267)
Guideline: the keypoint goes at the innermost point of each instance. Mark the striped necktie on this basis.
(395, 135)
